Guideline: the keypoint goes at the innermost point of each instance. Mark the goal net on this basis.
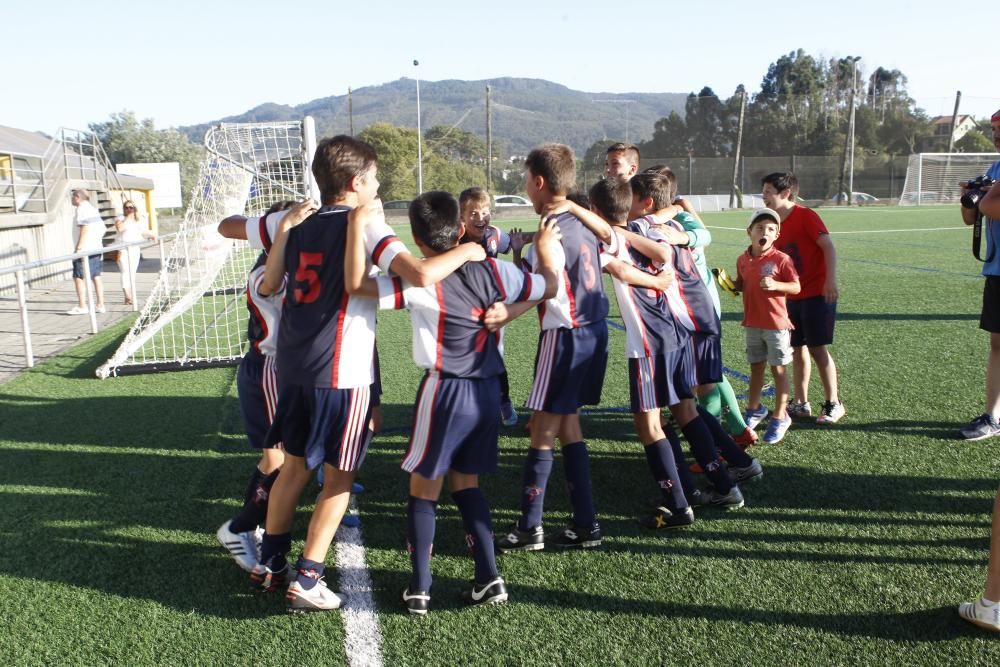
(933, 178)
(196, 314)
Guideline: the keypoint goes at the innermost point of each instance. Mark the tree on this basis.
(455, 144)
(127, 139)
(670, 138)
(974, 141)
(705, 124)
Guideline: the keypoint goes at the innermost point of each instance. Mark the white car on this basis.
(510, 200)
(857, 198)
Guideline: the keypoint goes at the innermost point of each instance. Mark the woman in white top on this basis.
(131, 227)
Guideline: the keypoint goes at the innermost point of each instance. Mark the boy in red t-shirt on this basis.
(765, 275)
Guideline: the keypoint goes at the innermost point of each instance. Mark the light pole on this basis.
(854, 88)
(420, 139)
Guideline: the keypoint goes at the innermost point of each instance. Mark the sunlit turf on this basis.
(854, 548)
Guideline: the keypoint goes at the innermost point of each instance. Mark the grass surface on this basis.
(855, 547)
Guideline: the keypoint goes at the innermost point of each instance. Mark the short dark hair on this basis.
(279, 206)
(579, 198)
(337, 160)
(475, 193)
(654, 186)
(612, 199)
(434, 220)
(556, 164)
(782, 180)
(631, 152)
(667, 173)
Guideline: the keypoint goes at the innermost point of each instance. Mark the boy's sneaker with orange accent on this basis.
(263, 578)
(746, 438)
(832, 412)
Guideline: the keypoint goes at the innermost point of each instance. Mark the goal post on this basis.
(933, 178)
(196, 315)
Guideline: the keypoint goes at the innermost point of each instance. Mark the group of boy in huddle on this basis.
(309, 389)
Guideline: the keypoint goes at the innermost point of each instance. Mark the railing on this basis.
(22, 298)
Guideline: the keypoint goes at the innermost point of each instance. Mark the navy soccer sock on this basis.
(660, 458)
(308, 572)
(504, 387)
(732, 452)
(254, 508)
(537, 468)
(478, 532)
(274, 550)
(683, 474)
(702, 447)
(576, 462)
(420, 518)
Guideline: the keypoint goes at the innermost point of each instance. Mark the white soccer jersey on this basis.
(266, 310)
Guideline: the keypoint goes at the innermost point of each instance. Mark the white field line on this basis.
(868, 231)
(362, 639)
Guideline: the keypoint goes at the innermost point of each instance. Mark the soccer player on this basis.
(474, 204)
(257, 385)
(765, 275)
(325, 344)
(813, 310)
(696, 237)
(621, 161)
(455, 427)
(569, 366)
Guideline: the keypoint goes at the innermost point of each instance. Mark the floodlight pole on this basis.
(420, 140)
(854, 88)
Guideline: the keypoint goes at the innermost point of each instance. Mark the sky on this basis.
(186, 62)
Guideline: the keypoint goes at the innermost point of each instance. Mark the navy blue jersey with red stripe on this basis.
(448, 332)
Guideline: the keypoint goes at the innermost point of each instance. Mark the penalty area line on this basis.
(362, 638)
(864, 231)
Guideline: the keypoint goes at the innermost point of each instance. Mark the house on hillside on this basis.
(37, 175)
(942, 127)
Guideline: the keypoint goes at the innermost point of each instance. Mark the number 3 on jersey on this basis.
(306, 273)
(589, 276)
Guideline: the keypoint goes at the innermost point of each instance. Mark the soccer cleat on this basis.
(755, 416)
(575, 537)
(317, 598)
(522, 540)
(750, 473)
(493, 592)
(983, 426)
(746, 438)
(662, 518)
(727, 501)
(416, 603)
(243, 547)
(832, 412)
(264, 579)
(723, 280)
(776, 429)
(979, 613)
(508, 415)
(800, 409)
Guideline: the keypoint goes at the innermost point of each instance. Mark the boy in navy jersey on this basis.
(325, 346)
(569, 365)
(474, 207)
(455, 427)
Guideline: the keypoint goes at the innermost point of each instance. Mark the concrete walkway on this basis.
(52, 330)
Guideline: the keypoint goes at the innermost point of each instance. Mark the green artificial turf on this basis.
(854, 548)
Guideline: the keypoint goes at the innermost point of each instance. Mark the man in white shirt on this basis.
(88, 232)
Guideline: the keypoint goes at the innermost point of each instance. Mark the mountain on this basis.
(526, 112)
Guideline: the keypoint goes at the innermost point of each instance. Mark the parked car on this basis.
(857, 197)
(510, 200)
(396, 205)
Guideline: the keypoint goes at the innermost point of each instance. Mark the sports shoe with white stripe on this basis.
(749, 473)
(577, 537)
(243, 547)
(522, 540)
(417, 602)
(979, 613)
(983, 426)
(493, 592)
(317, 598)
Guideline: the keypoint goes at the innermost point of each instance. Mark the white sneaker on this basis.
(981, 614)
(832, 412)
(243, 547)
(77, 310)
(102, 308)
(317, 598)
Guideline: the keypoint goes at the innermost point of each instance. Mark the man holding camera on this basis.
(987, 425)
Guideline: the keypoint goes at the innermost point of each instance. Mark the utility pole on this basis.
(615, 100)
(420, 139)
(849, 140)
(736, 153)
(489, 143)
(350, 108)
(954, 122)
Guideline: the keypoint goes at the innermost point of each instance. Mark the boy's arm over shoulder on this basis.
(391, 292)
(698, 235)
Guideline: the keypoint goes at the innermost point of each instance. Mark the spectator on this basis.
(88, 232)
(131, 227)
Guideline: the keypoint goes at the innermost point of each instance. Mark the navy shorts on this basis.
(707, 357)
(990, 319)
(813, 319)
(661, 380)
(95, 267)
(569, 369)
(257, 386)
(324, 425)
(455, 426)
(377, 384)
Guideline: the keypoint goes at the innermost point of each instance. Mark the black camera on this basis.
(974, 192)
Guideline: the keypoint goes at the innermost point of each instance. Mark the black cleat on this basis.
(522, 540)
(417, 602)
(493, 592)
(575, 537)
(662, 518)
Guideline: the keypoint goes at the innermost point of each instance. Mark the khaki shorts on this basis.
(771, 345)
